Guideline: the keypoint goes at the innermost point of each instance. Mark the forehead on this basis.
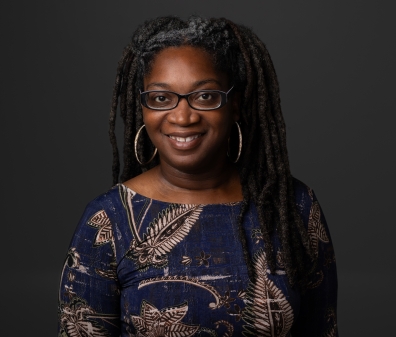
(182, 66)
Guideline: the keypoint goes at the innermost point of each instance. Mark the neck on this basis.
(220, 184)
(195, 181)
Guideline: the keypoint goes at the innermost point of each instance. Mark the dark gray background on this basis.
(336, 66)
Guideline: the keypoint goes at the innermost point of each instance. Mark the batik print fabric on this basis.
(142, 267)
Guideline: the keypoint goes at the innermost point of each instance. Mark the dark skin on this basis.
(192, 144)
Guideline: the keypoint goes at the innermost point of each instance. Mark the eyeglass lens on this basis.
(168, 100)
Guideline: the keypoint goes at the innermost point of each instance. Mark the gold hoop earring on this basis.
(239, 143)
(136, 154)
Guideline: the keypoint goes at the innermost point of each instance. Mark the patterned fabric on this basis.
(142, 267)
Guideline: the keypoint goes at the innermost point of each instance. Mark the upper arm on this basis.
(318, 310)
(88, 291)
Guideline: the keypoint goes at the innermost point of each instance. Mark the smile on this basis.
(184, 139)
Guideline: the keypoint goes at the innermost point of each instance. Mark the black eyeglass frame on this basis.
(223, 101)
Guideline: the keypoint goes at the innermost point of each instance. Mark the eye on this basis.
(204, 96)
(205, 99)
(160, 99)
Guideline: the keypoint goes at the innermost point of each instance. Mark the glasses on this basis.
(198, 100)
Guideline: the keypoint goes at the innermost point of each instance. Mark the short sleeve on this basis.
(89, 293)
(318, 310)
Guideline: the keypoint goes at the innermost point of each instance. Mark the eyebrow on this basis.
(194, 85)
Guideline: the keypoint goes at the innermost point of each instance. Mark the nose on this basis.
(183, 114)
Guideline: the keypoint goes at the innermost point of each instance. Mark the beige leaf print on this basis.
(230, 328)
(185, 279)
(72, 261)
(110, 274)
(163, 235)
(186, 260)
(104, 235)
(316, 230)
(267, 313)
(162, 323)
(101, 221)
(76, 320)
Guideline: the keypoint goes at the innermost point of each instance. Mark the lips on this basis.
(184, 139)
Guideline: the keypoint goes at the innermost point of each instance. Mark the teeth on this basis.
(184, 139)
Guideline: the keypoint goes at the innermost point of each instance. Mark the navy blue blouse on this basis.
(143, 267)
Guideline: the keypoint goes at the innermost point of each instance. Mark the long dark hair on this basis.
(263, 166)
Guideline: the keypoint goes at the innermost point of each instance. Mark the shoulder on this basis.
(102, 198)
(304, 198)
(103, 202)
(302, 192)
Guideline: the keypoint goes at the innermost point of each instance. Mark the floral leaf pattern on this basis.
(198, 287)
(186, 260)
(104, 235)
(101, 221)
(75, 320)
(126, 196)
(316, 230)
(331, 317)
(279, 260)
(268, 313)
(69, 291)
(163, 235)
(110, 274)
(73, 258)
(208, 331)
(189, 280)
(242, 294)
(162, 323)
(230, 328)
(318, 280)
(257, 234)
(203, 259)
(236, 312)
(226, 299)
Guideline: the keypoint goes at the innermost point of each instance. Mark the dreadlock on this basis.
(263, 166)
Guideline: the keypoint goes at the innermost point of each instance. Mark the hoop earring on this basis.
(239, 144)
(136, 154)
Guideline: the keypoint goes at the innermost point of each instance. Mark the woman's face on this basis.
(189, 140)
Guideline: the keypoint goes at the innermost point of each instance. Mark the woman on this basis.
(208, 234)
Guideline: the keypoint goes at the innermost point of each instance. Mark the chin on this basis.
(186, 164)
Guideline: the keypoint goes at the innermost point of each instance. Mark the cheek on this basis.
(153, 122)
(145, 115)
(150, 119)
(222, 124)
